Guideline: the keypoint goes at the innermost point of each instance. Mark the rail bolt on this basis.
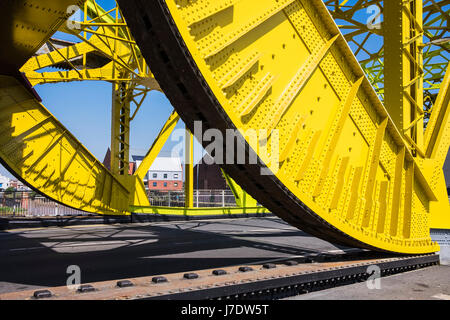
(85, 288)
(245, 269)
(124, 283)
(219, 272)
(159, 279)
(42, 294)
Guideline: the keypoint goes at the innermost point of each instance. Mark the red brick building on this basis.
(208, 176)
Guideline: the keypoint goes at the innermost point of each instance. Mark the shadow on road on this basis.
(41, 258)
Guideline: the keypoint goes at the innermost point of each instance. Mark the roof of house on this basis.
(137, 157)
(107, 159)
(163, 163)
(166, 164)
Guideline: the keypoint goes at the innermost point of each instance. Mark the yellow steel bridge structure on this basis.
(358, 107)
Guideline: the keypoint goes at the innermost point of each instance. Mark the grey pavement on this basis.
(38, 258)
(431, 283)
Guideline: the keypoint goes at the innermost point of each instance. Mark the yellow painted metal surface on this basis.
(403, 70)
(189, 169)
(25, 25)
(105, 36)
(200, 212)
(162, 138)
(284, 65)
(39, 149)
(437, 144)
(363, 168)
(111, 41)
(243, 199)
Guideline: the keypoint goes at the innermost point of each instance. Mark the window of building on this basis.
(175, 184)
(165, 175)
(175, 176)
(155, 184)
(165, 184)
(155, 175)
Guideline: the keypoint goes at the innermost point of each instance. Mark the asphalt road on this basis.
(39, 258)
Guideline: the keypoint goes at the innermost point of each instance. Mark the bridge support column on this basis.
(403, 32)
(189, 169)
(120, 130)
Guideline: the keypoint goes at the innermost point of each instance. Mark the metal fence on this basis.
(30, 204)
(202, 198)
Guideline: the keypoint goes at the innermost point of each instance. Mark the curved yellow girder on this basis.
(35, 146)
(346, 172)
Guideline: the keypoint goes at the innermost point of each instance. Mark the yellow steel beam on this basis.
(196, 212)
(136, 181)
(350, 171)
(242, 198)
(37, 147)
(26, 26)
(437, 134)
(189, 169)
(158, 144)
(403, 70)
(120, 129)
(111, 40)
(103, 35)
(284, 65)
(437, 143)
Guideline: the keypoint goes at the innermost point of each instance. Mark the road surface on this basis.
(38, 258)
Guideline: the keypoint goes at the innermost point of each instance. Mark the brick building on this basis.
(208, 176)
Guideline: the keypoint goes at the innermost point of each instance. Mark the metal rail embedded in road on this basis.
(247, 282)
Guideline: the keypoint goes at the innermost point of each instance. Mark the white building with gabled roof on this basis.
(165, 174)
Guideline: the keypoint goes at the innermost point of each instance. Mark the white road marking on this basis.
(26, 249)
(130, 225)
(50, 245)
